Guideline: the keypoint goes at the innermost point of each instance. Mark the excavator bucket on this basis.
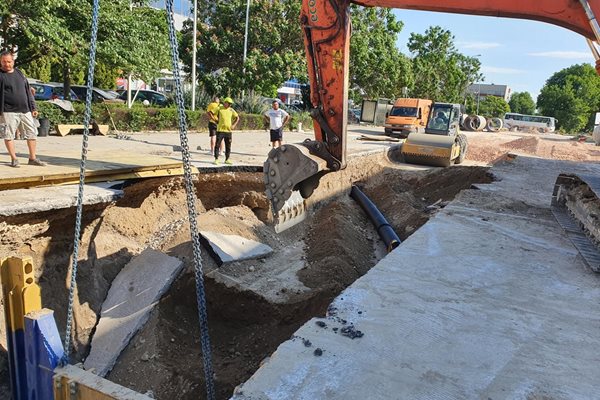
(291, 174)
(576, 207)
(430, 149)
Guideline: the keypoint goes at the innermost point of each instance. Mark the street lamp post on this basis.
(245, 43)
(194, 49)
(478, 94)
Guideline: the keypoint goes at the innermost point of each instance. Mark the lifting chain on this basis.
(191, 198)
(191, 203)
(84, 147)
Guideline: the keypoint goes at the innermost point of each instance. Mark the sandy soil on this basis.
(337, 245)
(489, 147)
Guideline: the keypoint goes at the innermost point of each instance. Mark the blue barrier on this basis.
(43, 351)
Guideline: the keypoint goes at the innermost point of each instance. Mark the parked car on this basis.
(153, 97)
(98, 95)
(50, 91)
(290, 108)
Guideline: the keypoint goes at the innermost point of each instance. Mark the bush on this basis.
(142, 118)
(55, 114)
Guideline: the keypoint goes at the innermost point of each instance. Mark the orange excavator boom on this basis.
(326, 27)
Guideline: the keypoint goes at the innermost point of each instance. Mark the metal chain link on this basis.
(84, 147)
(191, 203)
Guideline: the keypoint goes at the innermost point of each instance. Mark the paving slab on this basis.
(131, 297)
(26, 201)
(488, 300)
(228, 248)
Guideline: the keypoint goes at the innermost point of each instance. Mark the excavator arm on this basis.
(292, 169)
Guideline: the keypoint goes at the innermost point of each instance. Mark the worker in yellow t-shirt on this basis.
(211, 111)
(227, 119)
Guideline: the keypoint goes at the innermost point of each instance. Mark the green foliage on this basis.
(470, 103)
(39, 69)
(251, 103)
(105, 76)
(571, 95)
(141, 118)
(59, 31)
(522, 103)
(304, 118)
(440, 72)
(55, 114)
(377, 68)
(202, 98)
(493, 106)
(275, 49)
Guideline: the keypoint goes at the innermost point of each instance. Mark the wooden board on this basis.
(65, 129)
(100, 167)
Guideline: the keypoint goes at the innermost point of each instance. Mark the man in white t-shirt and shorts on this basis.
(277, 119)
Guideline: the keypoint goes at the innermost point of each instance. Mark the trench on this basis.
(311, 264)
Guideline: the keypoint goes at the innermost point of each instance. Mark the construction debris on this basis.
(228, 248)
(131, 298)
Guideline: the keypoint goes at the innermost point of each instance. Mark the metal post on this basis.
(245, 43)
(478, 94)
(194, 49)
(129, 101)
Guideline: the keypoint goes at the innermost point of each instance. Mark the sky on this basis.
(522, 54)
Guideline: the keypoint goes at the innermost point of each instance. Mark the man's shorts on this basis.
(212, 129)
(276, 134)
(11, 122)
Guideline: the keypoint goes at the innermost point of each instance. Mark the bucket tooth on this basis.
(287, 169)
(292, 212)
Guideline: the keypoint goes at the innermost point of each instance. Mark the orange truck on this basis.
(406, 116)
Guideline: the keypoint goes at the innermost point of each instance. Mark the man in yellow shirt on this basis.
(212, 110)
(227, 119)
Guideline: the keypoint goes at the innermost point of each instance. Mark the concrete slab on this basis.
(25, 201)
(282, 272)
(132, 295)
(229, 248)
(488, 300)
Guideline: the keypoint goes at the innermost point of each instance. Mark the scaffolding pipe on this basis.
(384, 229)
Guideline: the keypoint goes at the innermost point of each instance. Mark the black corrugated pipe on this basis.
(385, 230)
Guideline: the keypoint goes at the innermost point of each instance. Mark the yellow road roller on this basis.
(441, 144)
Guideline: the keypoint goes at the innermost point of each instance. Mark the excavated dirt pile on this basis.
(247, 320)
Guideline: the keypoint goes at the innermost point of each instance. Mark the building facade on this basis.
(482, 90)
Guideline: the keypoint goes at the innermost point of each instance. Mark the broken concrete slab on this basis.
(228, 248)
(26, 201)
(132, 295)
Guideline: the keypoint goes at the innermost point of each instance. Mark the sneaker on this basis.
(14, 163)
(228, 162)
(37, 162)
(217, 162)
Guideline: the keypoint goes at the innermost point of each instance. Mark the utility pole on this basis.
(245, 44)
(194, 49)
(129, 75)
(478, 94)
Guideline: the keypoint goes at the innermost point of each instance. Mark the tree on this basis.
(59, 31)
(440, 72)
(377, 68)
(275, 48)
(571, 95)
(522, 103)
(493, 106)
